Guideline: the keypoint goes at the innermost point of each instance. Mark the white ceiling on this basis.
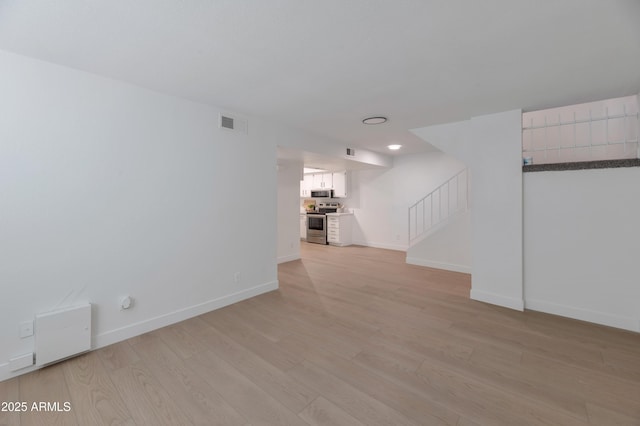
(325, 65)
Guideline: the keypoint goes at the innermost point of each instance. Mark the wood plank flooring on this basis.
(354, 336)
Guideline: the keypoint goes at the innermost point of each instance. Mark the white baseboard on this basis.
(438, 265)
(497, 299)
(145, 326)
(113, 336)
(6, 373)
(603, 318)
(288, 258)
(397, 247)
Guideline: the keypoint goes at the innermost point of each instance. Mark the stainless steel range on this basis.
(317, 222)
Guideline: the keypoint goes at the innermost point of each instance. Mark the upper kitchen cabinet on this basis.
(339, 184)
(336, 181)
(322, 180)
(306, 186)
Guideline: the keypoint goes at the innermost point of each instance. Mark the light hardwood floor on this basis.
(354, 336)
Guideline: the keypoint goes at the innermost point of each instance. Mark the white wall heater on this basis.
(62, 333)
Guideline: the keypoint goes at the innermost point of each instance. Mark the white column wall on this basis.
(496, 209)
(491, 146)
(289, 174)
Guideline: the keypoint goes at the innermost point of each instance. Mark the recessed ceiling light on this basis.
(394, 147)
(375, 120)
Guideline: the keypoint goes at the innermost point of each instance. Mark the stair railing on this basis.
(439, 205)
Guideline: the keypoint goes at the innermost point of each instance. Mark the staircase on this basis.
(439, 207)
(440, 227)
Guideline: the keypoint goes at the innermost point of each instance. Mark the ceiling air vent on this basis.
(351, 152)
(233, 123)
(226, 122)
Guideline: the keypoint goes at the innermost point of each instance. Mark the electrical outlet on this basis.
(236, 277)
(126, 303)
(26, 329)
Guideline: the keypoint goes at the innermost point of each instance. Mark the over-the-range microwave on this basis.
(322, 193)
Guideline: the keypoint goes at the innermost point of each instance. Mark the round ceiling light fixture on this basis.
(375, 120)
(394, 147)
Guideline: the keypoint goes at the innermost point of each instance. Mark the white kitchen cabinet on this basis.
(339, 229)
(303, 226)
(316, 178)
(339, 184)
(306, 185)
(322, 180)
(336, 181)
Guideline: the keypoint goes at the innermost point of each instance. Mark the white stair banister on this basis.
(447, 200)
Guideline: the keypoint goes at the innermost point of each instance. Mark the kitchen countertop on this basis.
(338, 214)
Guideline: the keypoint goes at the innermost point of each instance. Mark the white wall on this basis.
(289, 174)
(453, 138)
(582, 245)
(449, 247)
(380, 198)
(496, 209)
(108, 189)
